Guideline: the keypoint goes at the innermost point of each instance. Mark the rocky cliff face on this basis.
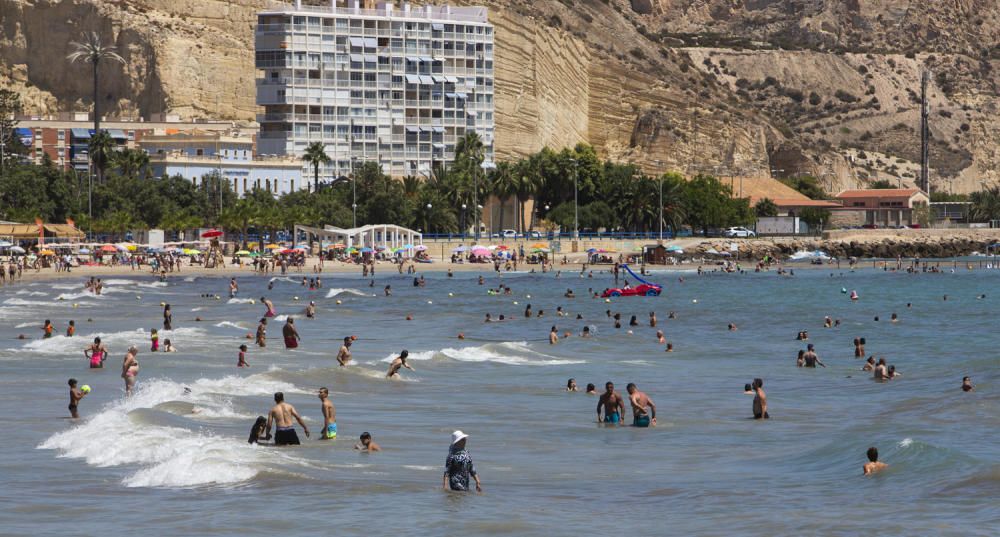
(826, 87)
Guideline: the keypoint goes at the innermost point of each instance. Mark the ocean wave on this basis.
(339, 291)
(152, 284)
(508, 353)
(23, 302)
(77, 296)
(167, 455)
(240, 301)
(33, 293)
(116, 342)
(230, 324)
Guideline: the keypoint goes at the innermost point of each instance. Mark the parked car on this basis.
(509, 234)
(870, 226)
(740, 232)
(535, 234)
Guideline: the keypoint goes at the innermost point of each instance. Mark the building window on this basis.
(292, 187)
(244, 185)
(199, 152)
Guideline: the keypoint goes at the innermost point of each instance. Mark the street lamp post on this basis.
(576, 202)
(475, 201)
(463, 221)
(354, 194)
(427, 216)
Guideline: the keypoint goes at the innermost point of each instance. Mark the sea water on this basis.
(174, 457)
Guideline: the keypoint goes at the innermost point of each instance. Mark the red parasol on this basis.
(211, 234)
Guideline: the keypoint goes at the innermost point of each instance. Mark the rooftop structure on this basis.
(394, 85)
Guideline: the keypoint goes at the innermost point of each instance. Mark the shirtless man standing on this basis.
(397, 364)
(611, 402)
(759, 400)
(233, 288)
(281, 416)
(344, 354)
(873, 465)
(810, 358)
(290, 334)
(640, 416)
(329, 415)
(553, 336)
(271, 312)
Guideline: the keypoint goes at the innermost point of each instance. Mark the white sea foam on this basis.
(230, 325)
(116, 342)
(31, 293)
(78, 296)
(23, 302)
(509, 353)
(283, 279)
(27, 324)
(167, 456)
(153, 284)
(239, 301)
(905, 442)
(67, 286)
(339, 291)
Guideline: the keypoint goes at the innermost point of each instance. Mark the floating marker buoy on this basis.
(252, 301)
(296, 298)
(694, 301)
(430, 302)
(843, 290)
(607, 300)
(529, 296)
(75, 305)
(451, 294)
(163, 304)
(338, 302)
(515, 302)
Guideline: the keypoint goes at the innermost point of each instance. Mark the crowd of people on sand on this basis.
(611, 407)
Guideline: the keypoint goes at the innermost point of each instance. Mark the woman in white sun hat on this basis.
(458, 466)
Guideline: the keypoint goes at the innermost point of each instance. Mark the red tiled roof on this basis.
(880, 193)
(784, 202)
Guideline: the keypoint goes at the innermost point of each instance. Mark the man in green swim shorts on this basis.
(641, 417)
(329, 415)
(611, 402)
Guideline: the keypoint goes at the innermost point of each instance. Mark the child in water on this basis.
(168, 347)
(243, 357)
(71, 329)
(154, 338)
(48, 328)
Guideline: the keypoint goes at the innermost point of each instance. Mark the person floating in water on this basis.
(612, 404)
(967, 385)
(281, 416)
(873, 465)
(571, 385)
(366, 444)
(329, 415)
(397, 364)
(643, 408)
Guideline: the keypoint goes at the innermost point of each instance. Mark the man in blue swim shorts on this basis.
(612, 404)
(641, 407)
(329, 415)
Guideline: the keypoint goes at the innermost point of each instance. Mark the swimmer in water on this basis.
(234, 289)
(967, 385)
(489, 318)
(652, 319)
(873, 465)
(71, 329)
(329, 415)
(553, 336)
(261, 338)
(670, 347)
(75, 394)
(290, 334)
(800, 361)
(827, 322)
(243, 357)
(569, 294)
(281, 416)
(270, 312)
(388, 290)
(591, 389)
(612, 404)
(759, 400)
(344, 354)
(571, 386)
(397, 364)
(48, 328)
(641, 417)
(869, 365)
(894, 318)
(732, 327)
(585, 332)
(96, 353)
(633, 321)
(659, 337)
(366, 444)
(880, 371)
(810, 358)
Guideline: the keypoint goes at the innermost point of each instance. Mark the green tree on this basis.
(765, 207)
(316, 156)
(710, 204)
(131, 162)
(985, 205)
(10, 143)
(674, 203)
(807, 185)
(881, 184)
(93, 51)
(815, 217)
(502, 185)
(102, 153)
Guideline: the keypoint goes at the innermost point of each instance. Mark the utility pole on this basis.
(925, 179)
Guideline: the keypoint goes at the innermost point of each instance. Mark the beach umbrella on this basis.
(407, 246)
(46, 252)
(479, 250)
(540, 245)
(211, 234)
(272, 246)
(420, 248)
(17, 249)
(540, 250)
(460, 249)
(255, 254)
(190, 251)
(108, 248)
(366, 250)
(591, 250)
(242, 253)
(121, 247)
(5, 244)
(339, 245)
(84, 251)
(674, 247)
(503, 247)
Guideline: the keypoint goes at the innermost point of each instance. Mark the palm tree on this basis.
(673, 201)
(91, 50)
(102, 152)
(502, 185)
(411, 186)
(131, 162)
(526, 183)
(985, 204)
(240, 215)
(316, 156)
(470, 147)
(179, 219)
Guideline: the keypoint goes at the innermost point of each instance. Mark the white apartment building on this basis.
(398, 85)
